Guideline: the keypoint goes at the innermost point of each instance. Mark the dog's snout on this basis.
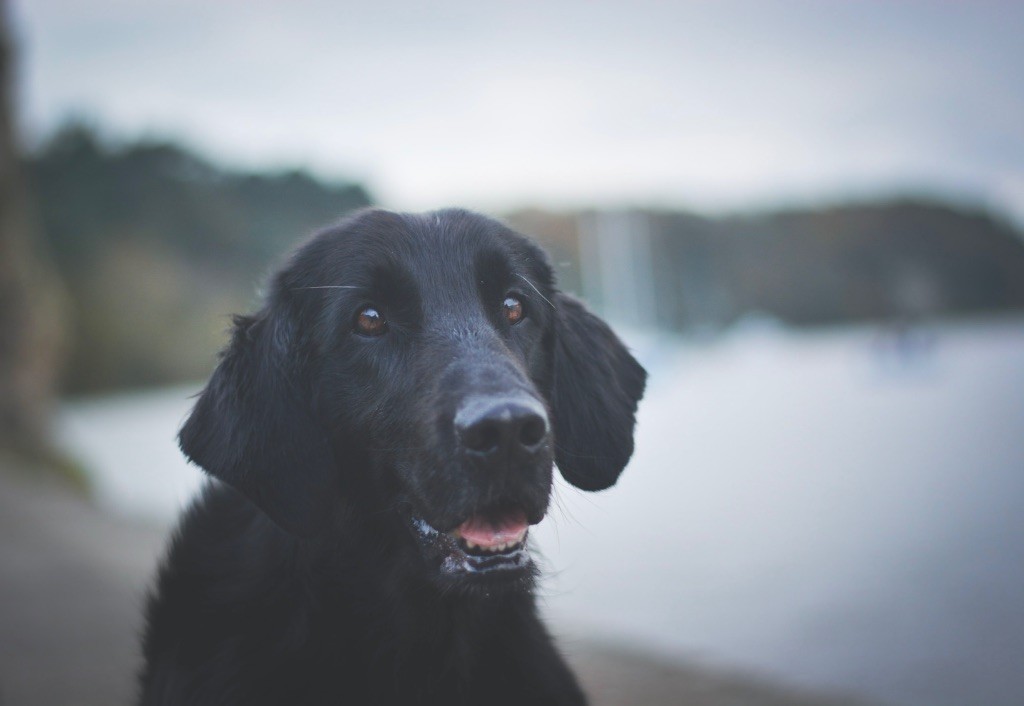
(502, 427)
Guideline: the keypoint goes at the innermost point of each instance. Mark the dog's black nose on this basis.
(502, 426)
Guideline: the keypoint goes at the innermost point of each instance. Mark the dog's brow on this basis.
(535, 289)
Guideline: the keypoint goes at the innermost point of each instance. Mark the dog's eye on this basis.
(370, 322)
(512, 310)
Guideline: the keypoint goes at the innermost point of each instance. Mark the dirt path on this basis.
(72, 581)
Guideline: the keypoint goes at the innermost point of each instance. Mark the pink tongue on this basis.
(487, 533)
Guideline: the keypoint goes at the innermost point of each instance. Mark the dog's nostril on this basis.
(482, 437)
(533, 431)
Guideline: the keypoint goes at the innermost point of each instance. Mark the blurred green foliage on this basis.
(157, 246)
(901, 260)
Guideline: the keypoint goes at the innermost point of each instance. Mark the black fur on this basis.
(319, 566)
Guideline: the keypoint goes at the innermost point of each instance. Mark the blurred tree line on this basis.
(900, 261)
(157, 246)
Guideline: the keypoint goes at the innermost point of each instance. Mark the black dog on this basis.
(385, 429)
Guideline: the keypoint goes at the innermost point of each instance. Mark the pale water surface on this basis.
(841, 510)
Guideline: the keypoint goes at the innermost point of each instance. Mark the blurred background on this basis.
(804, 217)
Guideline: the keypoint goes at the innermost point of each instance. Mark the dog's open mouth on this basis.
(484, 543)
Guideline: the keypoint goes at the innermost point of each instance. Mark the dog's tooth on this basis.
(470, 543)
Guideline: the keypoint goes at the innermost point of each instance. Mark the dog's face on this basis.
(424, 372)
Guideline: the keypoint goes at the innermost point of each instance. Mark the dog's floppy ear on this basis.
(253, 427)
(596, 387)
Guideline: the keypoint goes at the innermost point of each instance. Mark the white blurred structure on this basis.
(617, 265)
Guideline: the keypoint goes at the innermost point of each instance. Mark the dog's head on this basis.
(421, 370)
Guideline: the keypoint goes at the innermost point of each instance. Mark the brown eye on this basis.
(370, 322)
(512, 310)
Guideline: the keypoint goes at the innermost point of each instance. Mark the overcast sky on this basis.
(708, 105)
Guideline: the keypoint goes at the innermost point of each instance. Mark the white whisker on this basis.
(535, 289)
(330, 286)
